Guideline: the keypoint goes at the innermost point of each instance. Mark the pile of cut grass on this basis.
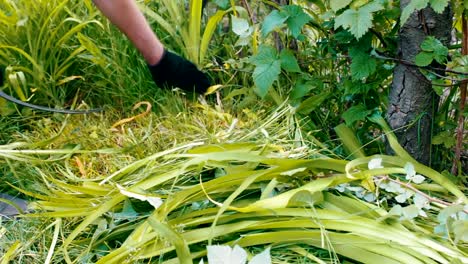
(160, 187)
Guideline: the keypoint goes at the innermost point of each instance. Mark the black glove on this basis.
(173, 70)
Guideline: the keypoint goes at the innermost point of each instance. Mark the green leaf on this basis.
(267, 70)
(424, 58)
(444, 137)
(355, 113)
(297, 18)
(289, 62)
(438, 51)
(311, 103)
(240, 26)
(223, 4)
(448, 212)
(362, 64)
(413, 5)
(438, 85)
(410, 212)
(358, 21)
(430, 44)
(460, 229)
(274, 20)
(439, 5)
(339, 4)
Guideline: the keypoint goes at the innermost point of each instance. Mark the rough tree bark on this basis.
(412, 101)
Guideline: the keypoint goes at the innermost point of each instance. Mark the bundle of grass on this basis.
(162, 187)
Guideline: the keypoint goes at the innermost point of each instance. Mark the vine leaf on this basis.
(358, 21)
(297, 18)
(355, 113)
(439, 5)
(339, 4)
(267, 70)
(413, 5)
(273, 21)
(362, 64)
(289, 62)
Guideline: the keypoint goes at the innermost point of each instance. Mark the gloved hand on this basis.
(173, 70)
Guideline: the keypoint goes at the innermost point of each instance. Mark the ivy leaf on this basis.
(297, 18)
(413, 5)
(358, 21)
(267, 70)
(289, 62)
(362, 64)
(439, 5)
(339, 4)
(355, 113)
(274, 20)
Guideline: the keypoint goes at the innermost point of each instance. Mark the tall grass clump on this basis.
(59, 53)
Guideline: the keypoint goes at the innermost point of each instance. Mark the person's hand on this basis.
(175, 71)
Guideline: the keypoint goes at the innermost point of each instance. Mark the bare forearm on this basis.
(128, 18)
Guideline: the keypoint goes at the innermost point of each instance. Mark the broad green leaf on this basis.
(311, 103)
(274, 20)
(424, 58)
(362, 64)
(300, 90)
(358, 21)
(240, 26)
(413, 5)
(439, 5)
(355, 113)
(267, 70)
(289, 61)
(339, 4)
(297, 18)
(223, 4)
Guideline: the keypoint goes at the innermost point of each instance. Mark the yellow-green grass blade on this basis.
(181, 247)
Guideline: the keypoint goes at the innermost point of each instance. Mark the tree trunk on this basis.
(412, 101)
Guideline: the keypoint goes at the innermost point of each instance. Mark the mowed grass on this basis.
(114, 140)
